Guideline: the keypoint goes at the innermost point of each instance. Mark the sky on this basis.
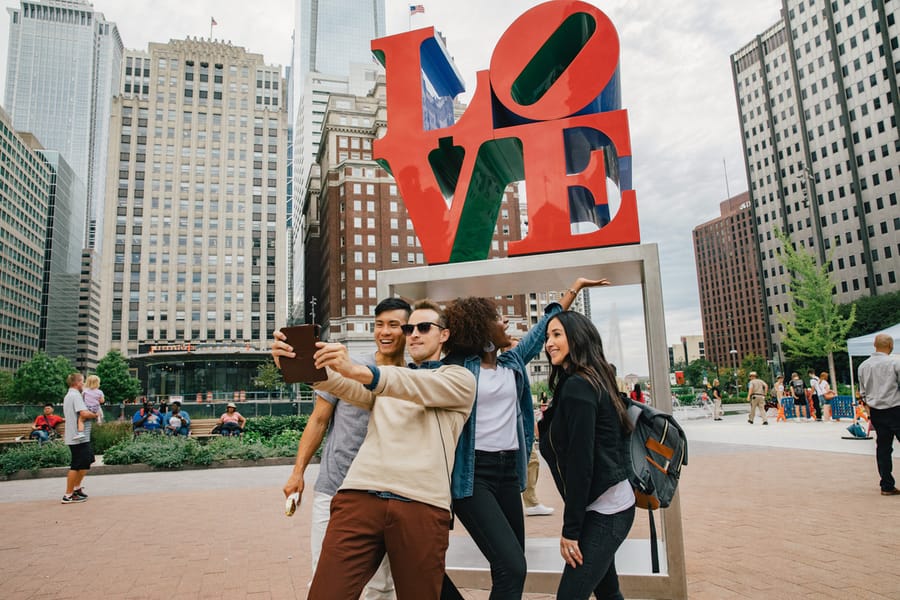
(676, 85)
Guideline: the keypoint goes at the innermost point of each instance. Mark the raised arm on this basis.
(312, 437)
(532, 343)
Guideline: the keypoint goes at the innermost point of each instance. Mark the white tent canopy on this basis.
(864, 344)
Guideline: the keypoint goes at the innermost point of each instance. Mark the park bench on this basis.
(18, 433)
(202, 428)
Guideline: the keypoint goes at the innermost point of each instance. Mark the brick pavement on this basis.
(759, 523)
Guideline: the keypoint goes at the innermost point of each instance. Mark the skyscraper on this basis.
(62, 71)
(195, 227)
(331, 54)
(819, 109)
(728, 279)
(333, 34)
(25, 191)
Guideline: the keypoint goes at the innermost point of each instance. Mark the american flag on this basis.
(416, 9)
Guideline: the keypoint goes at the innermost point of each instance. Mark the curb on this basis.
(144, 468)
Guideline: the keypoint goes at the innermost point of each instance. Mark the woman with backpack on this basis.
(799, 392)
(584, 439)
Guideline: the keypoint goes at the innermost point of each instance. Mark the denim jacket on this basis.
(516, 359)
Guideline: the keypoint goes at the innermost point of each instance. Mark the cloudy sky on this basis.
(676, 85)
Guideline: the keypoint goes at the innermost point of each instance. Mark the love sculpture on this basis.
(548, 111)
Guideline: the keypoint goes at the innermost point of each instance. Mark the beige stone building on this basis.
(194, 270)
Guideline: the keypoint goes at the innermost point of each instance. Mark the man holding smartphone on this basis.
(346, 426)
(395, 499)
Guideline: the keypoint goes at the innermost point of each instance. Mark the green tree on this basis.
(873, 313)
(817, 329)
(754, 362)
(697, 369)
(6, 381)
(41, 379)
(117, 383)
(268, 376)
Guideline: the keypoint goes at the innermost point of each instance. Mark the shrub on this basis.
(269, 427)
(108, 434)
(155, 450)
(31, 457)
(229, 447)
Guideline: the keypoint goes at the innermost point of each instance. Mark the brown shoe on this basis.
(893, 492)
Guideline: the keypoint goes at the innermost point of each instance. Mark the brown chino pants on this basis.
(363, 527)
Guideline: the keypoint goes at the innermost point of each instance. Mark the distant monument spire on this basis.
(613, 343)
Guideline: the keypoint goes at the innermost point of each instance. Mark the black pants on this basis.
(601, 536)
(886, 422)
(493, 517)
(817, 406)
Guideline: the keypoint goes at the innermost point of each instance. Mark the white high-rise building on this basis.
(331, 55)
(194, 272)
(818, 103)
(63, 69)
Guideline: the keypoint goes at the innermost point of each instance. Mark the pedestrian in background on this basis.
(716, 394)
(816, 399)
(756, 396)
(879, 387)
(799, 392)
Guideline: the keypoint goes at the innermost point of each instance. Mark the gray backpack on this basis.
(658, 450)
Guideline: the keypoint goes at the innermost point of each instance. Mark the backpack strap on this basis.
(654, 547)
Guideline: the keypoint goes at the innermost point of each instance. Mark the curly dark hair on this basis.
(471, 322)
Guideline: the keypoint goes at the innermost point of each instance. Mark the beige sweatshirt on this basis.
(417, 415)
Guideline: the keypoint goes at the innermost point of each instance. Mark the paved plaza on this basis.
(785, 511)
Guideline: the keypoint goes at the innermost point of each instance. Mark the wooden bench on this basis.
(202, 428)
(19, 433)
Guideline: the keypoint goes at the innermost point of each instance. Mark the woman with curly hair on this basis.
(584, 439)
(490, 469)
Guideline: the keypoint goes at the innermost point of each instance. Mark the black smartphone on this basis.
(302, 369)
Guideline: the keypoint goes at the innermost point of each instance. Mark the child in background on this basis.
(93, 398)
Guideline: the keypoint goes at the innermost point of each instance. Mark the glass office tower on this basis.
(331, 55)
(62, 71)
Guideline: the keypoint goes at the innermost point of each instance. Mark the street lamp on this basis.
(733, 354)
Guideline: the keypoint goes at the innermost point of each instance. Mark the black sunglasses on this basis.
(423, 327)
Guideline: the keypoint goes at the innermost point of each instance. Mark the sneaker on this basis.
(765, 422)
(80, 493)
(538, 511)
(78, 437)
(73, 499)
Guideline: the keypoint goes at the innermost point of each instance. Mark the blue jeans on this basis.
(493, 517)
(231, 428)
(601, 536)
(40, 435)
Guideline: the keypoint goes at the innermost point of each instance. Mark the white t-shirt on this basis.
(495, 413)
(614, 500)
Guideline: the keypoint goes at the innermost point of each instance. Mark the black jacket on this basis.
(585, 446)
